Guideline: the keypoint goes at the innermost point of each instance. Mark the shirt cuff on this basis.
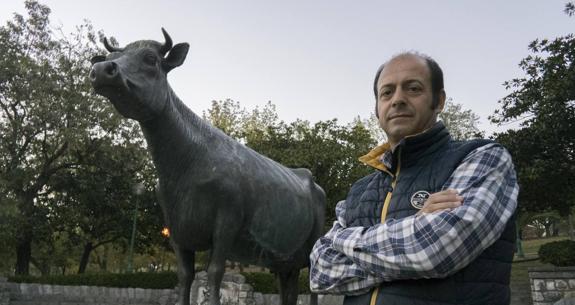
(348, 241)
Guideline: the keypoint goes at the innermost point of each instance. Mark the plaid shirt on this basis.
(352, 260)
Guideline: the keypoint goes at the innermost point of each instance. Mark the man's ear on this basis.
(441, 102)
(176, 56)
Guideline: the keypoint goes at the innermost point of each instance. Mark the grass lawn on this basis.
(519, 268)
(520, 286)
(531, 247)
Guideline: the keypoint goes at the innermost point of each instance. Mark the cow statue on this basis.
(215, 192)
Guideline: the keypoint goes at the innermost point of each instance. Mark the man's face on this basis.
(405, 98)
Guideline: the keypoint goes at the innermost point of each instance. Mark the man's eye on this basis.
(414, 89)
(386, 93)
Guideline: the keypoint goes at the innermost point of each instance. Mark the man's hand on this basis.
(444, 200)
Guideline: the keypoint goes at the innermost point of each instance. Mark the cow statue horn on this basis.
(168, 44)
(111, 48)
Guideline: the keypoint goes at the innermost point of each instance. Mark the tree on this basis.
(239, 123)
(48, 118)
(96, 201)
(543, 103)
(372, 124)
(462, 124)
(227, 115)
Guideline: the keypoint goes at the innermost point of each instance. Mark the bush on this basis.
(266, 282)
(260, 281)
(558, 253)
(161, 280)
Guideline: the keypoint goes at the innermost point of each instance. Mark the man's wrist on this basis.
(348, 240)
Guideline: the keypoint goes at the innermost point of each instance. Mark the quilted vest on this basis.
(425, 162)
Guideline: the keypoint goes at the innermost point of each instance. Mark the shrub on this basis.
(260, 281)
(161, 280)
(558, 253)
(266, 282)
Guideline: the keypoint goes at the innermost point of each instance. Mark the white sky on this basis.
(316, 59)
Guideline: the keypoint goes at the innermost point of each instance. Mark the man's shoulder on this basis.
(465, 148)
(470, 144)
(366, 179)
(362, 184)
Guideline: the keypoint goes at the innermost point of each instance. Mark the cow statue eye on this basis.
(150, 59)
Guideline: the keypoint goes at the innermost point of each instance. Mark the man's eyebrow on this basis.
(413, 80)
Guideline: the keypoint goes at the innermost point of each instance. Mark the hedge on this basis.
(260, 281)
(266, 282)
(160, 280)
(558, 253)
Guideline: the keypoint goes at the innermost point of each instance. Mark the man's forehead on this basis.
(404, 68)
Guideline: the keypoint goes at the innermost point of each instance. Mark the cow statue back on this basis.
(215, 192)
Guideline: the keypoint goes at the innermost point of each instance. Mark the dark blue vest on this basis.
(426, 162)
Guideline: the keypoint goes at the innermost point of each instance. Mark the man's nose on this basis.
(398, 98)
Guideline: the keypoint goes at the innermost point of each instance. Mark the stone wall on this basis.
(234, 291)
(36, 294)
(549, 285)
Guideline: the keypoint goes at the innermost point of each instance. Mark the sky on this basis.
(316, 59)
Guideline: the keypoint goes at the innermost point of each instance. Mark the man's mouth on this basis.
(399, 115)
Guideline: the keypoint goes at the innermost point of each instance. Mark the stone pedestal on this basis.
(549, 285)
(4, 292)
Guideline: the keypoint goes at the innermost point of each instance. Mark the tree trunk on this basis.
(43, 267)
(24, 236)
(23, 255)
(571, 227)
(85, 257)
(102, 260)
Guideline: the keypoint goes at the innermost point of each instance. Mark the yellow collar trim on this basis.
(373, 157)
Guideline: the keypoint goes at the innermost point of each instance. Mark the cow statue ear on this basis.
(97, 59)
(176, 56)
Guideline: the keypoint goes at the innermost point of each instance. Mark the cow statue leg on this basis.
(216, 271)
(186, 274)
(289, 286)
(224, 235)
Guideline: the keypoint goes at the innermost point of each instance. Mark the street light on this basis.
(138, 190)
(166, 234)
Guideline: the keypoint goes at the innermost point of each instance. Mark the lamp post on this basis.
(166, 234)
(138, 190)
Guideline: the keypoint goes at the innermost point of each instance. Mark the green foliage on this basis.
(462, 124)
(558, 253)
(54, 134)
(260, 281)
(543, 101)
(266, 283)
(160, 280)
(570, 8)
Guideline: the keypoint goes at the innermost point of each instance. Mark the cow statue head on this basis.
(134, 79)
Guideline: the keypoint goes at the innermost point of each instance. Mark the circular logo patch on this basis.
(418, 199)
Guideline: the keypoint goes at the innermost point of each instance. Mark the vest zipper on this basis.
(386, 203)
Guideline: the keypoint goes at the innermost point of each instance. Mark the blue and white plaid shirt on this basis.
(352, 260)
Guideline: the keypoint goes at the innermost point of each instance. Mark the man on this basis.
(434, 223)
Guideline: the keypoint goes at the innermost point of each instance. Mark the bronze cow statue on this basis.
(215, 192)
